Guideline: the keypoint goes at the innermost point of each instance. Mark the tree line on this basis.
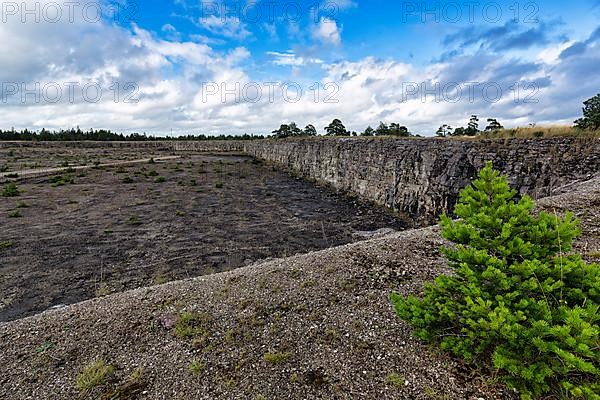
(337, 128)
(472, 128)
(102, 135)
(590, 121)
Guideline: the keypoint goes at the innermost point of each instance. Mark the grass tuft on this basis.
(95, 374)
(196, 367)
(395, 380)
(277, 358)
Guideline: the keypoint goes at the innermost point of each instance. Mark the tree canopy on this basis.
(591, 114)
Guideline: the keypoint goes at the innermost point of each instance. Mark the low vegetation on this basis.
(10, 190)
(23, 204)
(519, 302)
(277, 358)
(196, 367)
(134, 220)
(15, 214)
(192, 325)
(60, 180)
(95, 374)
(395, 380)
(533, 131)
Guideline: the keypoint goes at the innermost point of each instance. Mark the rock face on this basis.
(422, 177)
(418, 177)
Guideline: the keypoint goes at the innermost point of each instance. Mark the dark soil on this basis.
(107, 230)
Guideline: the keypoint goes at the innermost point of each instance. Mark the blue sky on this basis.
(199, 66)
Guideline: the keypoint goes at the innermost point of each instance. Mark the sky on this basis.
(232, 67)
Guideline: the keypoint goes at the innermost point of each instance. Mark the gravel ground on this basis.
(314, 326)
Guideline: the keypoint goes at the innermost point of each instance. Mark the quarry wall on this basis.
(419, 177)
(422, 177)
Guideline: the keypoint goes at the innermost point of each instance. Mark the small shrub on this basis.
(127, 180)
(103, 290)
(160, 279)
(95, 374)
(45, 347)
(277, 358)
(15, 214)
(10, 190)
(134, 220)
(192, 325)
(6, 245)
(196, 367)
(180, 213)
(219, 185)
(12, 176)
(160, 179)
(518, 301)
(130, 389)
(152, 173)
(395, 380)
(59, 180)
(22, 204)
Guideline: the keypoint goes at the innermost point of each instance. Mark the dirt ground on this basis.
(26, 156)
(83, 234)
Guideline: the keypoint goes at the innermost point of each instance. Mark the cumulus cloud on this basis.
(327, 31)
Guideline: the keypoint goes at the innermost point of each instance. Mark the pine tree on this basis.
(518, 301)
(591, 114)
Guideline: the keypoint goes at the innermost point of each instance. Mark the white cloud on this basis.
(172, 75)
(327, 31)
(229, 27)
(291, 59)
(171, 32)
(550, 55)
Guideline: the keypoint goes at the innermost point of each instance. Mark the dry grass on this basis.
(528, 132)
(94, 375)
(538, 132)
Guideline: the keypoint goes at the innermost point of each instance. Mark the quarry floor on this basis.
(318, 325)
(109, 229)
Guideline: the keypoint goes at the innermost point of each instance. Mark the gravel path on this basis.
(314, 326)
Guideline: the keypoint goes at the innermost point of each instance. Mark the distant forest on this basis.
(104, 136)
